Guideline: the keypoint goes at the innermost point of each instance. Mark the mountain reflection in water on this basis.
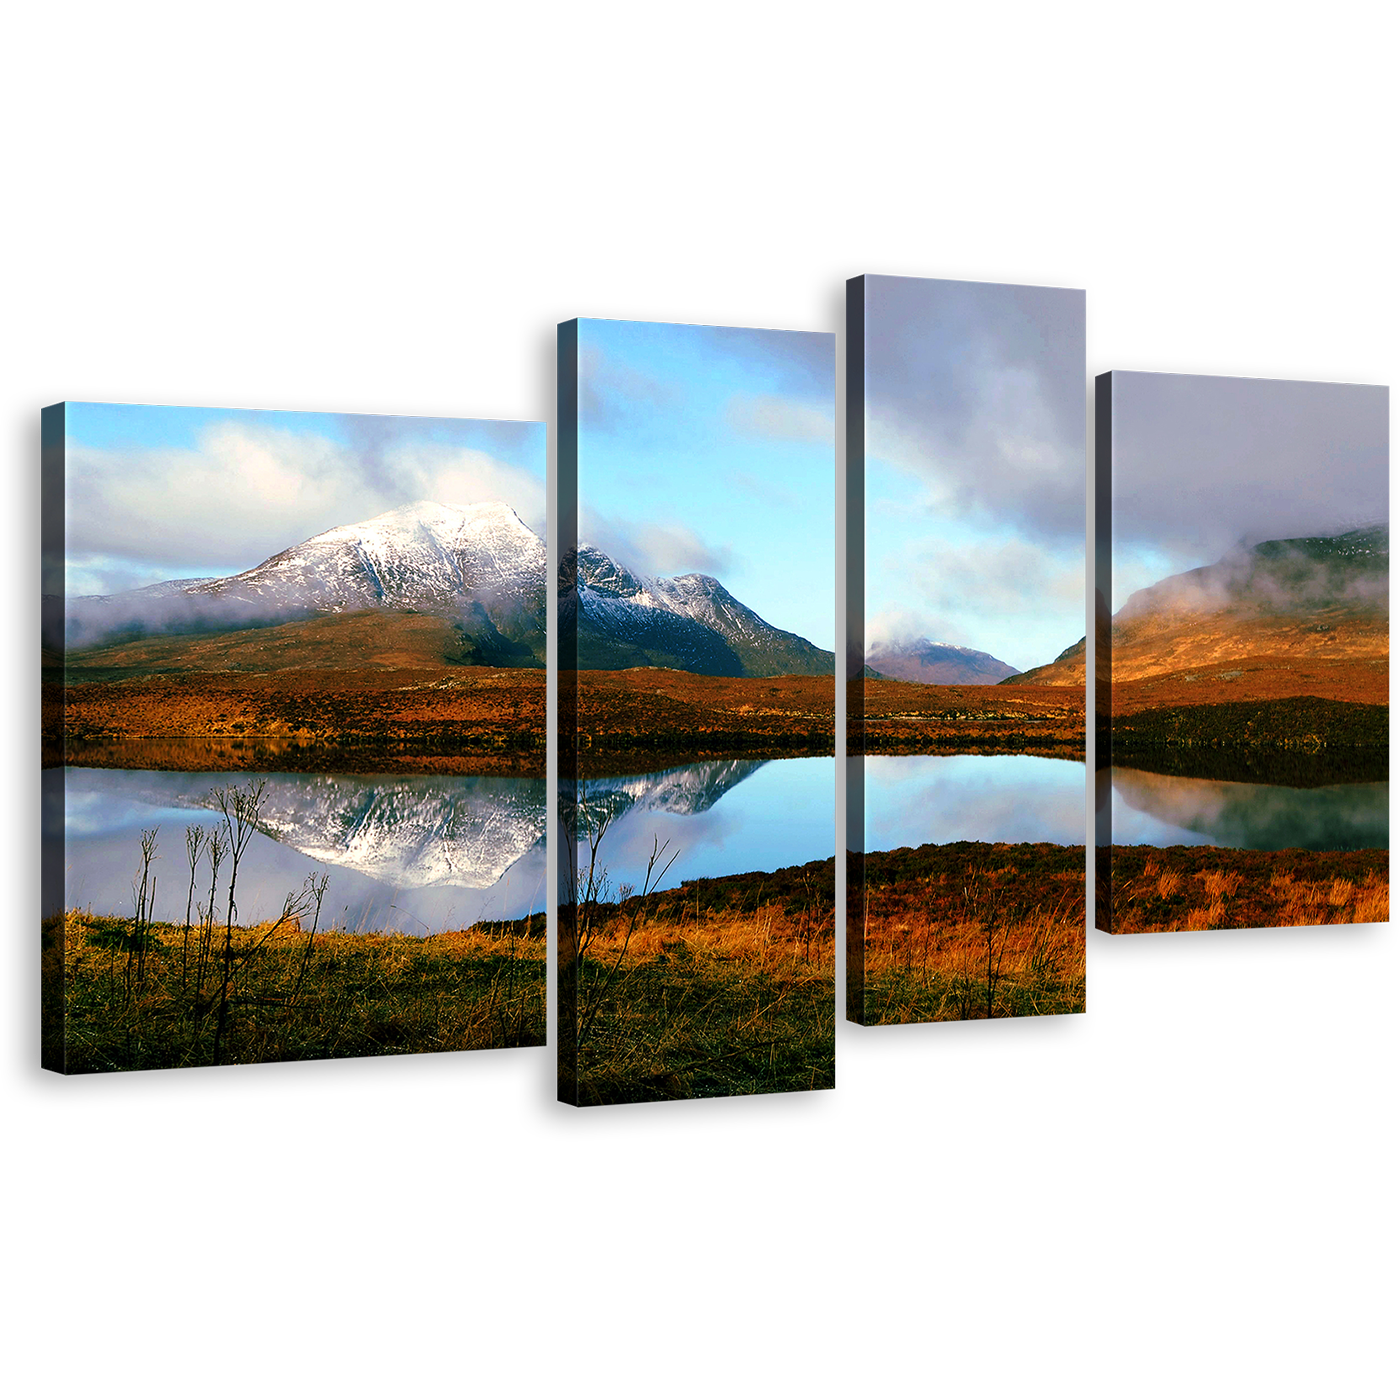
(1152, 810)
(724, 817)
(418, 853)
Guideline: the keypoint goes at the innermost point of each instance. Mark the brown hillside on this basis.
(358, 641)
(1160, 644)
(1323, 598)
(902, 717)
(1068, 668)
(1365, 680)
(375, 719)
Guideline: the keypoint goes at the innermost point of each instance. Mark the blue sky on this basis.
(155, 492)
(975, 466)
(712, 450)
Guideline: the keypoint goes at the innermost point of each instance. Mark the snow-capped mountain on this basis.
(423, 556)
(937, 663)
(480, 567)
(688, 623)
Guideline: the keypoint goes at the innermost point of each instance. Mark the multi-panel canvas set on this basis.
(297, 670)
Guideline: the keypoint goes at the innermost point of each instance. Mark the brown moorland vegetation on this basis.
(903, 717)
(1165, 888)
(1338, 706)
(629, 721)
(273, 754)
(723, 986)
(1356, 681)
(448, 719)
(965, 931)
(1302, 723)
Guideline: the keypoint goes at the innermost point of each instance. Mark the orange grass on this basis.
(1207, 887)
(927, 969)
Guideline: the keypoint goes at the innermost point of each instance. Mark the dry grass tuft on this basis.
(1341, 893)
(1372, 904)
(975, 968)
(1208, 887)
(1209, 916)
(1221, 884)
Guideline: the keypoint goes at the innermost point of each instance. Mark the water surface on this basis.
(1149, 809)
(918, 799)
(724, 817)
(416, 854)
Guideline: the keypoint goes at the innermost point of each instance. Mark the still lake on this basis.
(416, 854)
(1150, 809)
(725, 817)
(920, 799)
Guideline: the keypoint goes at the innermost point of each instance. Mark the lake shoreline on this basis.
(256, 753)
(477, 713)
(908, 717)
(965, 930)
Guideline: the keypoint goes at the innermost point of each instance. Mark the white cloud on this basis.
(656, 548)
(900, 626)
(247, 492)
(995, 580)
(775, 416)
(1019, 601)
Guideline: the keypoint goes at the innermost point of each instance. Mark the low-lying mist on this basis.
(1350, 571)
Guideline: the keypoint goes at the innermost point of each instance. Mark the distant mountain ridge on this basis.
(1316, 596)
(481, 568)
(687, 623)
(937, 663)
(1068, 668)
(1279, 577)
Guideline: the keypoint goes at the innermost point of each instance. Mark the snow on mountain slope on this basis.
(424, 556)
(690, 622)
(480, 567)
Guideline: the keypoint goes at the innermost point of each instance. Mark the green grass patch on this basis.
(118, 1002)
